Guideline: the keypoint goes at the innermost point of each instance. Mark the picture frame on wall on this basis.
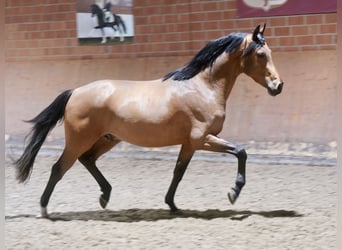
(262, 8)
(104, 22)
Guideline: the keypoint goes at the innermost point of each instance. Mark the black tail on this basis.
(122, 24)
(43, 124)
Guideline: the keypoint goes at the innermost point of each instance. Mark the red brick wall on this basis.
(46, 29)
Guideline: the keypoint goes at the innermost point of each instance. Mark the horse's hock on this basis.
(303, 113)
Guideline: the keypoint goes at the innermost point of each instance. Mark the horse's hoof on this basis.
(103, 202)
(232, 196)
(176, 212)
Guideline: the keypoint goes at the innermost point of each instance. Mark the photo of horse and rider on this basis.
(104, 21)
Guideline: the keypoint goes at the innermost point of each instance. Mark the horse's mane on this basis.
(96, 9)
(207, 56)
(95, 6)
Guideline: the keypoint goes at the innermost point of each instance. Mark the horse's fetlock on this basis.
(241, 154)
(106, 190)
(240, 181)
(168, 200)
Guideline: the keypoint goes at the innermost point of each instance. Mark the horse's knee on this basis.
(240, 181)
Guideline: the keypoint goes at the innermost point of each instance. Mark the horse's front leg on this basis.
(215, 144)
(183, 160)
(104, 38)
(114, 31)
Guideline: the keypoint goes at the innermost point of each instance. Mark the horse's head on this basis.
(257, 62)
(94, 9)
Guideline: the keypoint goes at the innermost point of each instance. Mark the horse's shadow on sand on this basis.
(136, 215)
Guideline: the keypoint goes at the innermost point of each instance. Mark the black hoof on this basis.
(232, 196)
(176, 212)
(103, 201)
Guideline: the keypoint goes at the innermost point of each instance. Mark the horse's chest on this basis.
(216, 122)
(210, 122)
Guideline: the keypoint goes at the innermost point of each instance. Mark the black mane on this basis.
(95, 8)
(207, 56)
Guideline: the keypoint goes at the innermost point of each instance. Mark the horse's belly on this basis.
(150, 135)
(173, 130)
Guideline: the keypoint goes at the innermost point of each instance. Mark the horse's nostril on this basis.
(280, 86)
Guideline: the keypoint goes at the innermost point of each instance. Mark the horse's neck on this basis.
(222, 77)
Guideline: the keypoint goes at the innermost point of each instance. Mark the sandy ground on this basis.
(281, 207)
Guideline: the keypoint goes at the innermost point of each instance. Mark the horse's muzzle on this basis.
(275, 89)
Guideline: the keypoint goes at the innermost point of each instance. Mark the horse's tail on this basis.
(123, 24)
(43, 124)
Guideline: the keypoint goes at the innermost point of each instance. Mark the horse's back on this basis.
(113, 94)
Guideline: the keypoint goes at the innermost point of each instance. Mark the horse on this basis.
(113, 21)
(186, 107)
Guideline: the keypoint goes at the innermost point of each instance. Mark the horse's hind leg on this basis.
(63, 164)
(88, 159)
(114, 31)
(122, 38)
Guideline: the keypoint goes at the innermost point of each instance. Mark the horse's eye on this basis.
(261, 55)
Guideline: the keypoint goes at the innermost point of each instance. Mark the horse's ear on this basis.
(255, 34)
(263, 29)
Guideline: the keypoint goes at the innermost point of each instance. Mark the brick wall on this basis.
(46, 29)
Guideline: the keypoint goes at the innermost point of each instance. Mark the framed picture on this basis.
(260, 8)
(104, 22)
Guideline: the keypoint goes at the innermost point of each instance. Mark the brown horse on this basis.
(186, 107)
